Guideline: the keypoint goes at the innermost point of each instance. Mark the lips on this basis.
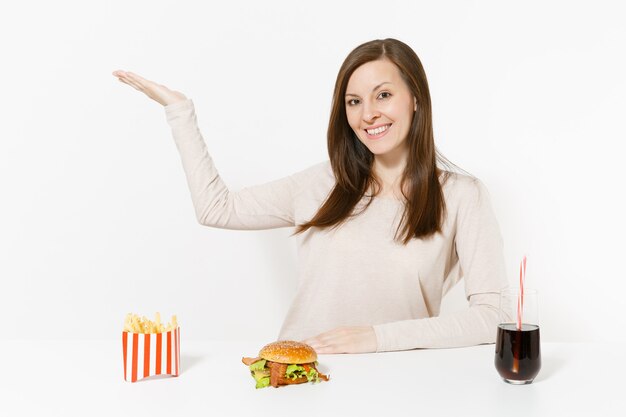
(377, 131)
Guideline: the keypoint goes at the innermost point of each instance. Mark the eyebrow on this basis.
(374, 89)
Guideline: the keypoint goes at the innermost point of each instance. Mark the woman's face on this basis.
(380, 107)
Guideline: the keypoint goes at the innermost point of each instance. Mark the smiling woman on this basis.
(383, 232)
(372, 117)
(382, 103)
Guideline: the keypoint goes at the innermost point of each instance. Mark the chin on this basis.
(379, 150)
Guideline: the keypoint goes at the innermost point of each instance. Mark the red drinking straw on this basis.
(520, 296)
(520, 309)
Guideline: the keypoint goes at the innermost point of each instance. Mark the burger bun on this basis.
(289, 352)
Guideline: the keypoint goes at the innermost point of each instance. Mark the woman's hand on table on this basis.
(157, 92)
(347, 339)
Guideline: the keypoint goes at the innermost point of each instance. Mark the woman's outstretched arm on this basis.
(264, 206)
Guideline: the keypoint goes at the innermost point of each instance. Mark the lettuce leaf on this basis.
(258, 365)
(294, 371)
(297, 371)
(263, 382)
(260, 373)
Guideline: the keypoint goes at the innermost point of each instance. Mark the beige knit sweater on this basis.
(357, 275)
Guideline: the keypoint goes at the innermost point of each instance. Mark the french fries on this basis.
(135, 324)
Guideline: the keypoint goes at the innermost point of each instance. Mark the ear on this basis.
(414, 104)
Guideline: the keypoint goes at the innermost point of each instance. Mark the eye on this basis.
(384, 92)
(352, 102)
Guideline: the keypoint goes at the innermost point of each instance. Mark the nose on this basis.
(370, 113)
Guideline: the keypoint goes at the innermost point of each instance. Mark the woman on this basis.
(382, 232)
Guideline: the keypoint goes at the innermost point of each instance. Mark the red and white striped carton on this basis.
(147, 354)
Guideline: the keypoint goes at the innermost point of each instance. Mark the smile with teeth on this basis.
(378, 130)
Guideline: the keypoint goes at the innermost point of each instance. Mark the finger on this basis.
(130, 81)
(326, 343)
(329, 350)
(135, 86)
(121, 74)
(134, 79)
(138, 79)
(123, 81)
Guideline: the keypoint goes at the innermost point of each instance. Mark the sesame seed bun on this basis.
(289, 352)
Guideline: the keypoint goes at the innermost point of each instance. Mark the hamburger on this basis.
(284, 362)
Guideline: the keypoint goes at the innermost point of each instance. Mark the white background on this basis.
(96, 218)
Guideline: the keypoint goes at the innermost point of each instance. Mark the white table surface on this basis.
(43, 378)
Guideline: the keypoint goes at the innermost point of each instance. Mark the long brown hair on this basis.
(351, 161)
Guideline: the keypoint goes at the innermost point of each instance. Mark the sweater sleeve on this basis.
(479, 247)
(266, 206)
